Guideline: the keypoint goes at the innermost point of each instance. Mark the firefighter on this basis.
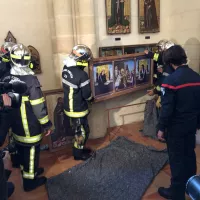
(180, 115)
(5, 59)
(77, 94)
(5, 67)
(162, 70)
(162, 45)
(30, 121)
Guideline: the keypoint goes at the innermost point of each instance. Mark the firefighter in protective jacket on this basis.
(77, 94)
(161, 71)
(31, 120)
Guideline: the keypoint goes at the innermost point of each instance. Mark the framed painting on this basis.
(149, 16)
(119, 75)
(127, 49)
(124, 71)
(110, 51)
(103, 78)
(143, 70)
(118, 16)
(62, 134)
(35, 60)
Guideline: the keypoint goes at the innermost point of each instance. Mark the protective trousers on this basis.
(182, 161)
(29, 160)
(81, 130)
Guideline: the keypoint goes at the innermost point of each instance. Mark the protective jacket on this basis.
(77, 91)
(32, 118)
(180, 111)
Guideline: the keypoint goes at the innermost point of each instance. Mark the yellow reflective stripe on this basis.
(71, 92)
(15, 56)
(28, 140)
(24, 119)
(155, 57)
(76, 114)
(89, 98)
(158, 88)
(75, 145)
(78, 146)
(31, 65)
(27, 57)
(85, 64)
(37, 101)
(28, 175)
(31, 161)
(19, 57)
(25, 98)
(5, 60)
(44, 120)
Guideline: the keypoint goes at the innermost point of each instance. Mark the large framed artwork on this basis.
(127, 49)
(149, 16)
(118, 16)
(143, 70)
(118, 75)
(62, 134)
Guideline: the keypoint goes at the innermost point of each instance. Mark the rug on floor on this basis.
(121, 171)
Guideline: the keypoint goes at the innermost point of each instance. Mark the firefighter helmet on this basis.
(168, 44)
(20, 55)
(81, 53)
(161, 45)
(5, 50)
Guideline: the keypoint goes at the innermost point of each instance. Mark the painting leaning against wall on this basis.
(62, 134)
(118, 16)
(149, 16)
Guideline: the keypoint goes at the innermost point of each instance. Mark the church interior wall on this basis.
(54, 26)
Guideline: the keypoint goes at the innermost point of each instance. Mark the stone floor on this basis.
(55, 163)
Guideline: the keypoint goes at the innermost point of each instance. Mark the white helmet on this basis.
(168, 44)
(81, 53)
(20, 55)
(5, 50)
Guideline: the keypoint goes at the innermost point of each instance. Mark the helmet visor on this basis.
(20, 61)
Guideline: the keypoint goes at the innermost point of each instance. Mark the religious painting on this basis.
(127, 49)
(143, 70)
(124, 71)
(35, 60)
(10, 38)
(118, 16)
(112, 51)
(62, 134)
(119, 75)
(103, 78)
(149, 16)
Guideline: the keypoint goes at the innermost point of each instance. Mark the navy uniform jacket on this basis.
(77, 91)
(180, 101)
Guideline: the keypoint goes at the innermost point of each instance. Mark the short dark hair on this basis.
(175, 55)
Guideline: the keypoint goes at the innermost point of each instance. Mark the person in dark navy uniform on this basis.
(180, 115)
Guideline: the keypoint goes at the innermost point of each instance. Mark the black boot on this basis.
(11, 188)
(15, 160)
(39, 171)
(87, 150)
(7, 173)
(79, 154)
(30, 184)
(165, 192)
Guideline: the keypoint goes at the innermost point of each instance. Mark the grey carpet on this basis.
(121, 171)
